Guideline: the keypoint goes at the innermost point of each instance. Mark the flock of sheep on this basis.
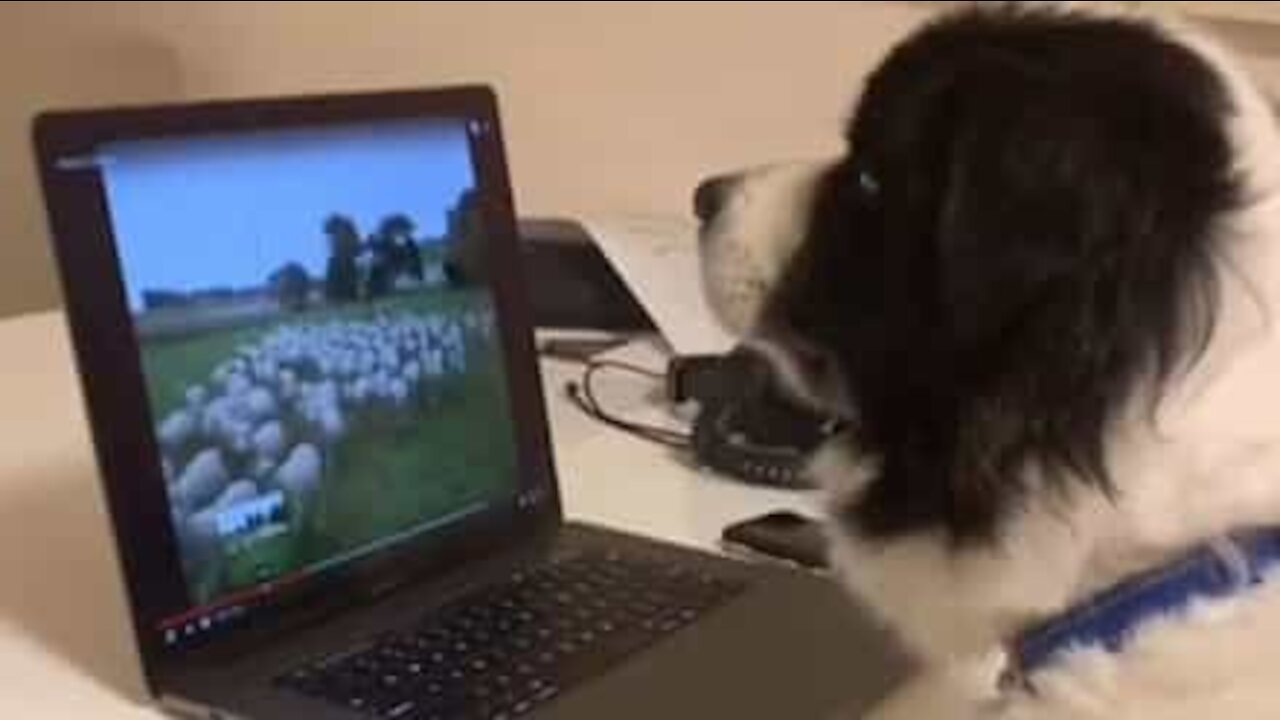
(268, 418)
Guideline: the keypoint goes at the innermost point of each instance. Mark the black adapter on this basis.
(746, 425)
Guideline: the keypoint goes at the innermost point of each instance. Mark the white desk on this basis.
(65, 645)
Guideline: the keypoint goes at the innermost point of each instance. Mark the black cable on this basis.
(584, 397)
(596, 365)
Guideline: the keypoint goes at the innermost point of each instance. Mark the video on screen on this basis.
(318, 341)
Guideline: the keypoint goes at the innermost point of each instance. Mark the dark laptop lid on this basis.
(304, 349)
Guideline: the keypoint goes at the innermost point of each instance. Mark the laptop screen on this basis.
(317, 341)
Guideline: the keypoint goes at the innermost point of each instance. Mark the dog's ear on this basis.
(1071, 218)
(1031, 196)
(1073, 244)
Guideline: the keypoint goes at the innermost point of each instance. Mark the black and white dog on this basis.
(1042, 285)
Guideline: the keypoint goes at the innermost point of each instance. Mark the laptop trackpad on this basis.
(791, 647)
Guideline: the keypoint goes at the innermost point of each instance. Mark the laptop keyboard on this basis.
(500, 653)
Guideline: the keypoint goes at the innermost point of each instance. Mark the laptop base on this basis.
(789, 645)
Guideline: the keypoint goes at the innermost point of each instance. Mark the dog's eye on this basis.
(868, 183)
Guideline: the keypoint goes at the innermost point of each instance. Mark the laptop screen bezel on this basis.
(111, 376)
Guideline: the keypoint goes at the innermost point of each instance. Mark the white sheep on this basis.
(237, 492)
(349, 393)
(388, 359)
(386, 386)
(221, 373)
(237, 384)
(398, 391)
(214, 416)
(327, 392)
(176, 430)
(259, 404)
(265, 370)
(345, 364)
(240, 439)
(301, 472)
(201, 481)
(455, 349)
(461, 359)
(229, 422)
(200, 532)
(195, 397)
(412, 372)
(269, 440)
(433, 363)
(287, 385)
(331, 425)
(362, 390)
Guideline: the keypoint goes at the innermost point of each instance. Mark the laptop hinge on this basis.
(184, 708)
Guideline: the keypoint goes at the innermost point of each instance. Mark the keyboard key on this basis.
(400, 711)
(546, 693)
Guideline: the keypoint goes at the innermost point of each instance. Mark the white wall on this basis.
(608, 106)
(51, 57)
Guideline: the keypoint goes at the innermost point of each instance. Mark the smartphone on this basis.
(782, 535)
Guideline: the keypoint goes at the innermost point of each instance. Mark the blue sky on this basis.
(226, 211)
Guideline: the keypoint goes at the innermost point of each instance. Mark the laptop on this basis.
(308, 364)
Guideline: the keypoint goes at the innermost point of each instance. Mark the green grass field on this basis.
(391, 472)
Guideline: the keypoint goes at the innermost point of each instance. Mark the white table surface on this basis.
(65, 646)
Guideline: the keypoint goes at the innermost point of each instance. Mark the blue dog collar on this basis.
(1214, 570)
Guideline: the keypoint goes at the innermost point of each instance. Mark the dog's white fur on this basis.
(1208, 462)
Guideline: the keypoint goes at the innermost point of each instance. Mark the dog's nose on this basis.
(710, 195)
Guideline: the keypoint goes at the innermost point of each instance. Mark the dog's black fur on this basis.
(1020, 238)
